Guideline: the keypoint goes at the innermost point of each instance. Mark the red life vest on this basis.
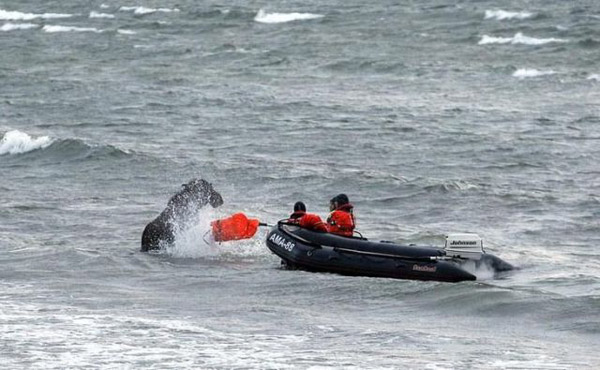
(308, 221)
(341, 221)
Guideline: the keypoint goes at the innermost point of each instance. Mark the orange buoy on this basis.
(235, 227)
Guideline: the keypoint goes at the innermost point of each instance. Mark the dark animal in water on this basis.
(181, 207)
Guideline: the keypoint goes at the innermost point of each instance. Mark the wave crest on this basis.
(594, 77)
(94, 14)
(142, 10)
(530, 72)
(502, 15)
(17, 142)
(518, 38)
(7, 15)
(54, 29)
(451, 185)
(264, 17)
(17, 26)
(49, 149)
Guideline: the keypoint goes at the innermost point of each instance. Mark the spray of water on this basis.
(193, 238)
(482, 271)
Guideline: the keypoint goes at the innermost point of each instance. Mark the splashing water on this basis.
(193, 238)
(482, 271)
(17, 142)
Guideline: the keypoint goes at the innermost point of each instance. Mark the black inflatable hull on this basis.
(322, 252)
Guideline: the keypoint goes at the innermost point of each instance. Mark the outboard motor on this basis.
(469, 246)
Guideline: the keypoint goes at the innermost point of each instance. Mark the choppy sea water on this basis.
(434, 116)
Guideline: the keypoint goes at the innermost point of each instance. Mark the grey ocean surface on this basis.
(435, 116)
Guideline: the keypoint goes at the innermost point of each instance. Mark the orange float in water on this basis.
(235, 227)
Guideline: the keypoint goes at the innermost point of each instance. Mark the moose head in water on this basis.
(193, 196)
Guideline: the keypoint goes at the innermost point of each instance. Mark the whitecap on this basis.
(141, 10)
(17, 26)
(518, 38)
(530, 72)
(19, 16)
(53, 29)
(126, 32)
(485, 39)
(594, 77)
(104, 6)
(522, 39)
(94, 14)
(505, 15)
(264, 17)
(17, 142)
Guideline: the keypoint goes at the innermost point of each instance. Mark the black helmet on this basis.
(340, 199)
(299, 206)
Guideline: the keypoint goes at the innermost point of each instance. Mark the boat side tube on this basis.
(312, 251)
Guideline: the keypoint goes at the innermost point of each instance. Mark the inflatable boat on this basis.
(308, 250)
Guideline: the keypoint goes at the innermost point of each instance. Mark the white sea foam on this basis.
(104, 6)
(53, 29)
(141, 10)
(17, 142)
(264, 17)
(7, 15)
(530, 72)
(94, 14)
(594, 77)
(126, 32)
(17, 26)
(505, 15)
(518, 38)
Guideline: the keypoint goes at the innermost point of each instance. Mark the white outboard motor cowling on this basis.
(468, 246)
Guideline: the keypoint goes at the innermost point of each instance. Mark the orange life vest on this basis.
(311, 221)
(341, 221)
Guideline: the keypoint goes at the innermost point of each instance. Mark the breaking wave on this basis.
(17, 26)
(54, 29)
(142, 10)
(264, 17)
(18, 16)
(17, 142)
(527, 72)
(518, 38)
(505, 15)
